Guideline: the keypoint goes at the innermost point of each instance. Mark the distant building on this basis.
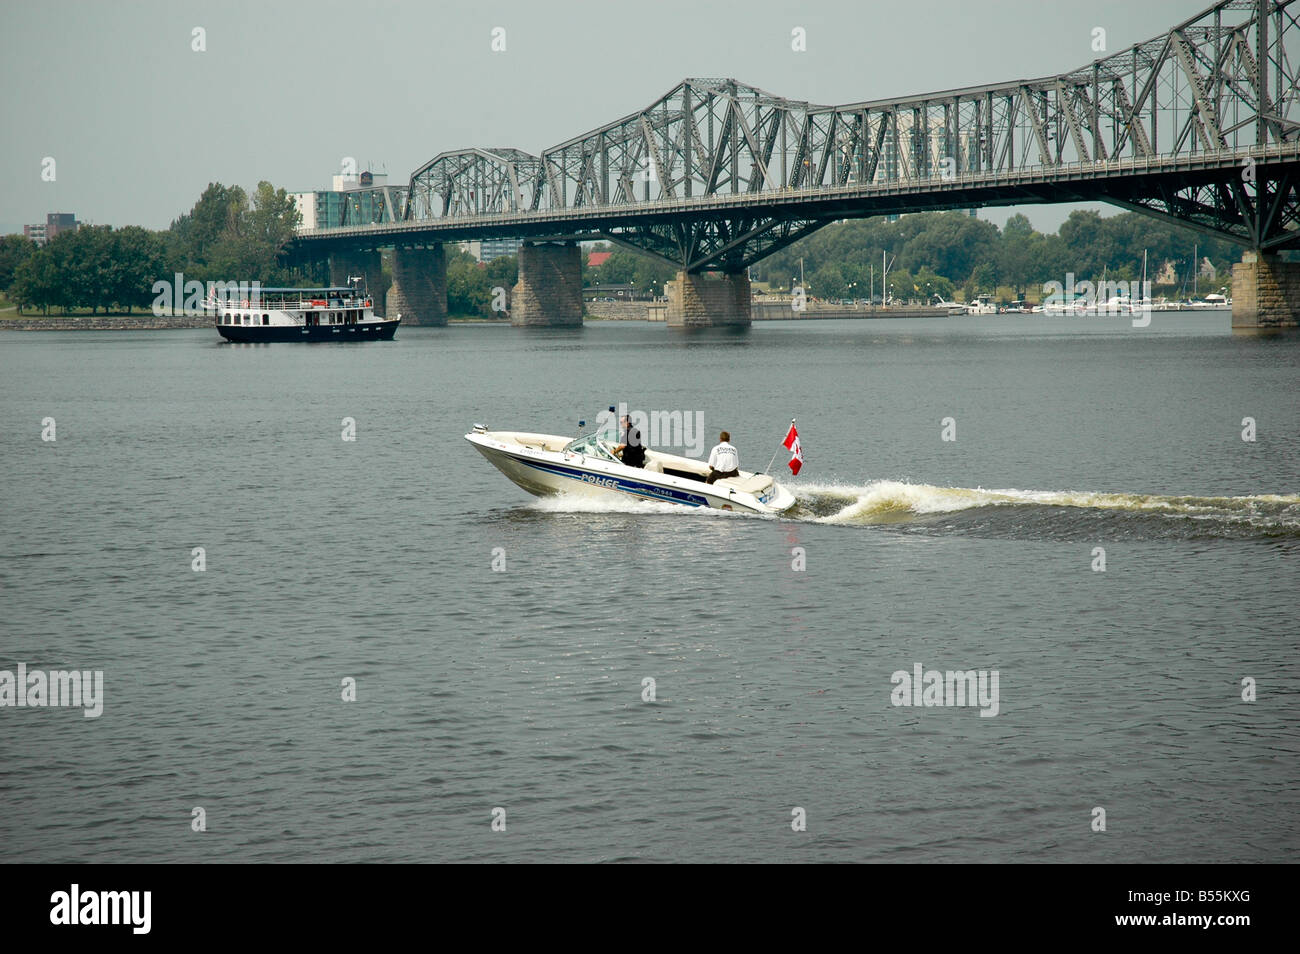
(496, 248)
(614, 292)
(55, 222)
(324, 208)
(597, 259)
(487, 249)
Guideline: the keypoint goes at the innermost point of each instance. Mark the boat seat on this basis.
(753, 484)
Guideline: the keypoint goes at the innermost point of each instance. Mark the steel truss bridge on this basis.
(1200, 126)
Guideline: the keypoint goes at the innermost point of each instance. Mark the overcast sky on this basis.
(138, 123)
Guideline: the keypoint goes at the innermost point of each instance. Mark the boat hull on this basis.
(365, 331)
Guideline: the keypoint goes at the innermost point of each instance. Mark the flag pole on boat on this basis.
(773, 460)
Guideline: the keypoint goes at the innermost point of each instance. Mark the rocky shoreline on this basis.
(104, 323)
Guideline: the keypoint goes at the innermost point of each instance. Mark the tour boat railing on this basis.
(275, 303)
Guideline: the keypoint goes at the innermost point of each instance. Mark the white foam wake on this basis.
(883, 500)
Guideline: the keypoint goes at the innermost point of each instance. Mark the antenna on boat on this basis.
(773, 460)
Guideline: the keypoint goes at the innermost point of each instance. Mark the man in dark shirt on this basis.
(633, 451)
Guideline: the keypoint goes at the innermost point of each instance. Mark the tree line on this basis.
(953, 255)
(227, 236)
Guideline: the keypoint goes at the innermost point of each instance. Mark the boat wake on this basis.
(896, 502)
(1013, 514)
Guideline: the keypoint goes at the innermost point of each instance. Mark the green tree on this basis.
(272, 218)
(84, 261)
(139, 259)
(14, 250)
(36, 283)
(984, 278)
(215, 216)
(929, 284)
(900, 286)
(827, 282)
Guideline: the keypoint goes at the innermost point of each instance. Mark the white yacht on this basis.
(954, 308)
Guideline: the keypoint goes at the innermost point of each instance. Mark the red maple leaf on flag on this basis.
(791, 443)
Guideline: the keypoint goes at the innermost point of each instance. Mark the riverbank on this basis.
(761, 310)
(13, 322)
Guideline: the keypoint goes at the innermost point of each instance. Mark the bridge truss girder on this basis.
(1262, 215)
(374, 204)
(474, 182)
(1221, 84)
(723, 244)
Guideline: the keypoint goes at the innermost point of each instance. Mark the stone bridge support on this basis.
(1265, 293)
(359, 262)
(419, 289)
(698, 301)
(549, 291)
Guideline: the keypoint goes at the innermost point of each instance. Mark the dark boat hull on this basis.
(371, 331)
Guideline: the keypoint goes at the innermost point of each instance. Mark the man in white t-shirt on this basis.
(723, 460)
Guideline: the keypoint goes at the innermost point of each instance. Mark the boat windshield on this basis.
(593, 446)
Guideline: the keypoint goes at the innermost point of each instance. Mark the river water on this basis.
(772, 643)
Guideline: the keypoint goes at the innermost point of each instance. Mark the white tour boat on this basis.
(302, 314)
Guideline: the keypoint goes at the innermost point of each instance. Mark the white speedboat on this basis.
(545, 464)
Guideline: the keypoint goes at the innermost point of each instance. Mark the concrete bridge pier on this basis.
(419, 289)
(698, 301)
(1265, 294)
(359, 262)
(549, 291)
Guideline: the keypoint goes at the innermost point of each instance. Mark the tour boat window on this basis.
(266, 319)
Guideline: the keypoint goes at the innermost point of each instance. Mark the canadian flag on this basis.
(791, 443)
